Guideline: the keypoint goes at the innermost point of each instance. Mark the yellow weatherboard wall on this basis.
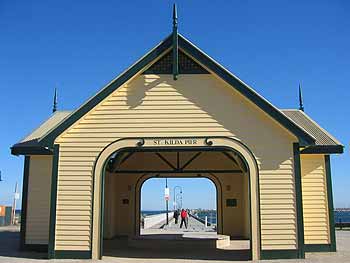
(38, 202)
(315, 206)
(194, 105)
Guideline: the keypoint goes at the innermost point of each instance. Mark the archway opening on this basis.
(178, 208)
(126, 172)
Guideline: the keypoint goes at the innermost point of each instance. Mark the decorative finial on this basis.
(175, 45)
(301, 105)
(174, 16)
(54, 108)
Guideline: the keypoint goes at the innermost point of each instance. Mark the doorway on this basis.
(128, 171)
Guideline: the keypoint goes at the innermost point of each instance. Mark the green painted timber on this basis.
(299, 202)
(53, 202)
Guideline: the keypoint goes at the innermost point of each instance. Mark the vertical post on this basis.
(14, 205)
(206, 221)
(167, 203)
(24, 202)
(298, 200)
(53, 202)
(330, 204)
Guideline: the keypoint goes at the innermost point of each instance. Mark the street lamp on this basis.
(175, 195)
(179, 200)
(167, 200)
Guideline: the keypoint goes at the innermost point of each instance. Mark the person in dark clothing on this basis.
(183, 218)
(176, 216)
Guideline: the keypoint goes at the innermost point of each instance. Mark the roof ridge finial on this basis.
(174, 16)
(301, 104)
(54, 108)
(175, 45)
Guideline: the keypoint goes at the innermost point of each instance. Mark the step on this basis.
(179, 242)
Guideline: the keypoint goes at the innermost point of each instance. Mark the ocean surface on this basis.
(211, 214)
(339, 216)
(342, 216)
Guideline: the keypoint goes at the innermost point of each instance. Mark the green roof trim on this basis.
(245, 90)
(323, 149)
(49, 138)
(202, 58)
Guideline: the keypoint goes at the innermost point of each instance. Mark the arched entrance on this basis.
(175, 144)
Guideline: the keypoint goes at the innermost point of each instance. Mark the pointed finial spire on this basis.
(301, 104)
(54, 108)
(175, 45)
(174, 16)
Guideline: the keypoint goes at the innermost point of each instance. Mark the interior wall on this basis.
(235, 223)
(119, 217)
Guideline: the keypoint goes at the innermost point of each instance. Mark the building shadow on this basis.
(119, 249)
(10, 247)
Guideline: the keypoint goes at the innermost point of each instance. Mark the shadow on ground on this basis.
(9, 247)
(119, 248)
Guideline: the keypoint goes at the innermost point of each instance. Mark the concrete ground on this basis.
(9, 239)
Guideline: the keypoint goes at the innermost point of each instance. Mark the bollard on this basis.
(206, 221)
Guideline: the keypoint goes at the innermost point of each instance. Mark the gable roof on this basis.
(325, 142)
(30, 144)
(207, 62)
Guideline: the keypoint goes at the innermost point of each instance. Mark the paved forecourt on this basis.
(9, 241)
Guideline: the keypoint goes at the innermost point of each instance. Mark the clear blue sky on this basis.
(196, 193)
(78, 46)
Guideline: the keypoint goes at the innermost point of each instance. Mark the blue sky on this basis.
(78, 46)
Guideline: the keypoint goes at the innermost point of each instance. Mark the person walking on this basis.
(183, 218)
(176, 216)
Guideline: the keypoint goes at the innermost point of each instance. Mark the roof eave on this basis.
(323, 149)
(30, 150)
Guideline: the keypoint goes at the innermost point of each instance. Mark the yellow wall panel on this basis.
(315, 206)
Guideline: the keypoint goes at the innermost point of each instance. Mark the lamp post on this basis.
(167, 200)
(179, 199)
(175, 195)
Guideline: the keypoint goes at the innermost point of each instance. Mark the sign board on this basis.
(166, 193)
(180, 141)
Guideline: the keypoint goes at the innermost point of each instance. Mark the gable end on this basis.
(165, 65)
(303, 137)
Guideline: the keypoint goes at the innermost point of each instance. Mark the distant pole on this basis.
(167, 203)
(0, 176)
(14, 205)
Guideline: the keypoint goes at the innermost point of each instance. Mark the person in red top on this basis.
(183, 218)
